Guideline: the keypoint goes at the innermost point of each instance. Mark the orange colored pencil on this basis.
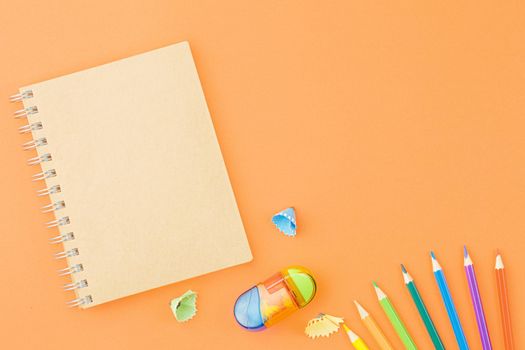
(504, 303)
(373, 328)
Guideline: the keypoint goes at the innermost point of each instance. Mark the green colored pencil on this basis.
(394, 318)
(423, 312)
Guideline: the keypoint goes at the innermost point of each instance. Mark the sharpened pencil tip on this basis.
(499, 262)
(466, 257)
(375, 284)
(351, 335)
(406, 276)
(361, 310)
(380, 294)
(435, 263)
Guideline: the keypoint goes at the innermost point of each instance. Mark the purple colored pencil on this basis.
(476, 302)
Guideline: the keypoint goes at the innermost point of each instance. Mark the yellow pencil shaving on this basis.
(322, 326)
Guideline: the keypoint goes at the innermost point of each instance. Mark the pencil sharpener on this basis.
(276, 298)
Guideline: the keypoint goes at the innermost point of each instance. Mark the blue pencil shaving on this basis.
(285, 221)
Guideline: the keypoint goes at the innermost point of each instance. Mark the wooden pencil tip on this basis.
(406, 276)
(467, 261)
(380, 294)
(499, 262)
(361, 310)
(435, 263)
(351, 335)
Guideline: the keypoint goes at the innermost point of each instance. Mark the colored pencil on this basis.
(504, 303)
(356, 341)
(449, 303)
(476, 301)
(422, 309)
(394, 318)
(373, 328)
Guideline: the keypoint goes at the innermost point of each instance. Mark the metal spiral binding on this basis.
(67, 254)
(80, 301)
(58, 222)
(21, 96)
(53, 207)
(39, 159)
(50, 190)
(34, 143)
(62, 238)
(44, 175)
(30, 127)
(71, 270)
(25, 112)
(76, 285)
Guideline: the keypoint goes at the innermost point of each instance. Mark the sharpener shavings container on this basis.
(269, 302)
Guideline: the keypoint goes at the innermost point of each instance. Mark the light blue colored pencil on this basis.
(449, 304)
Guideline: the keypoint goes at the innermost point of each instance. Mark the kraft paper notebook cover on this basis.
(135, 175)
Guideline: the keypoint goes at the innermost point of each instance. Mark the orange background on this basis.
(393, 128)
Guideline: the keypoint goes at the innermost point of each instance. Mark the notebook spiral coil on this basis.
(60, 221)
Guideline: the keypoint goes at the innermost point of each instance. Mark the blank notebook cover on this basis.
(139, 169)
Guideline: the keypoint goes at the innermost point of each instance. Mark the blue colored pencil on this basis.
(449, 304)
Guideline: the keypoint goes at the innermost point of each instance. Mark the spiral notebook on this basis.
(135, 175)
